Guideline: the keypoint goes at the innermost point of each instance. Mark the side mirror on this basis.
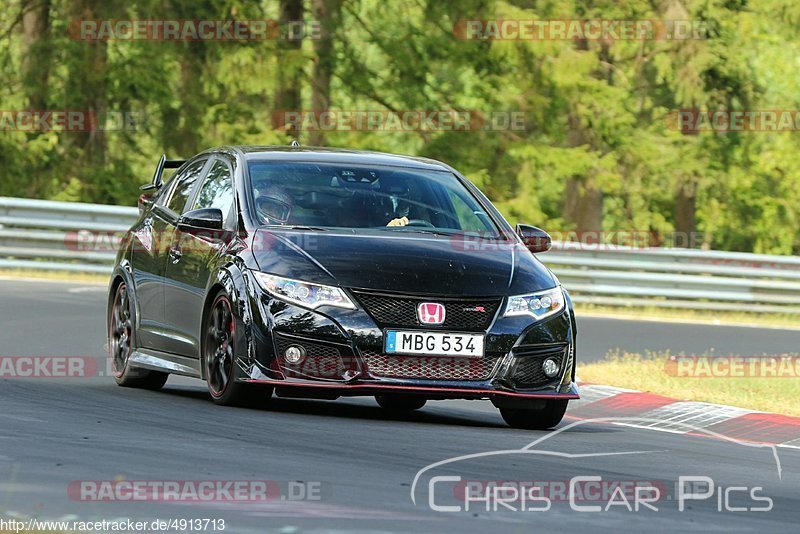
(202, 219)
(144, 202)
(536, 239)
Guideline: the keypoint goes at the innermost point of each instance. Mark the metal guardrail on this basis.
(678, 278)
(48, 235)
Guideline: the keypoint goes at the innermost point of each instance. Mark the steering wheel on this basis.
(419, 222)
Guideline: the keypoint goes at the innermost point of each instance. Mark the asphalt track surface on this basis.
(360, 461)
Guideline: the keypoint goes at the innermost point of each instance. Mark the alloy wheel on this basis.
(121, 328)
(219, 354)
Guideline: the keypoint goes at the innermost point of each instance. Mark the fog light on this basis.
(294, 354)
(550, 367)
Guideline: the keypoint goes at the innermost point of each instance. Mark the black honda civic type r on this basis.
(319, 273)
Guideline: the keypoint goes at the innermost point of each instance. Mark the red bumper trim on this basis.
(426, 389)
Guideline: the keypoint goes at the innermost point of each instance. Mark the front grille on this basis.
(321, 361)
(430, 367)
(527, 371)
(460, 314)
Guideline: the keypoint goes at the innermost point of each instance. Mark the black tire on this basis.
(219, 358)
(404, 403)
(121, 338)
(541, 419)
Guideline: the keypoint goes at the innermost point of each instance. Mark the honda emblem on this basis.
(431, 313)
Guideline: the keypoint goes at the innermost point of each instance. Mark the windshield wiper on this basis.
(295, 227)
(420, 230)
(436, 231)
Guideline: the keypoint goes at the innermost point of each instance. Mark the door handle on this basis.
(175, 254)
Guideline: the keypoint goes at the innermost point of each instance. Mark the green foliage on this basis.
(597, 113)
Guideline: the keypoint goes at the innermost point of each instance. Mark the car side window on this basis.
(217, 190)
(166, 187)
(183, 186)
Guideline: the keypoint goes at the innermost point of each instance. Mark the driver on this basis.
(398, 221)
(274, 204)
(400, 206)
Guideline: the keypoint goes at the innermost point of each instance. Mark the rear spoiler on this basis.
(163, 163)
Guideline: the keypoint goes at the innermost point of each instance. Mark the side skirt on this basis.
(162, 361)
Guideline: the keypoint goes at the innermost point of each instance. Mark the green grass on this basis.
(65, 276)
(698, 316)
(652, 373)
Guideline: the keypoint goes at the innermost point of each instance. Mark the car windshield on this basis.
(338, 196)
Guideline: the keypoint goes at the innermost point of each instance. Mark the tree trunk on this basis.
(583, 200)
(87, 90)
(583, 205)
(287, 96)
(36, 51)
(183, 135)
(183, 124)
(685, 219)
(327, 13)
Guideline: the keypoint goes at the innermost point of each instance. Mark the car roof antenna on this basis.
(295, 143)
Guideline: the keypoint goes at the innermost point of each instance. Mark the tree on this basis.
(328, 13)
(289, 75)
(36, 53)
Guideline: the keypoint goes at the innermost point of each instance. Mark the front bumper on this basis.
(365, 388)
(344, 357)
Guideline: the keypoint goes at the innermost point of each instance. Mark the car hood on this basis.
(417, 263)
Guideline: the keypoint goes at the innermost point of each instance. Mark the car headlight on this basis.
(538, 305)
(303, 293)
